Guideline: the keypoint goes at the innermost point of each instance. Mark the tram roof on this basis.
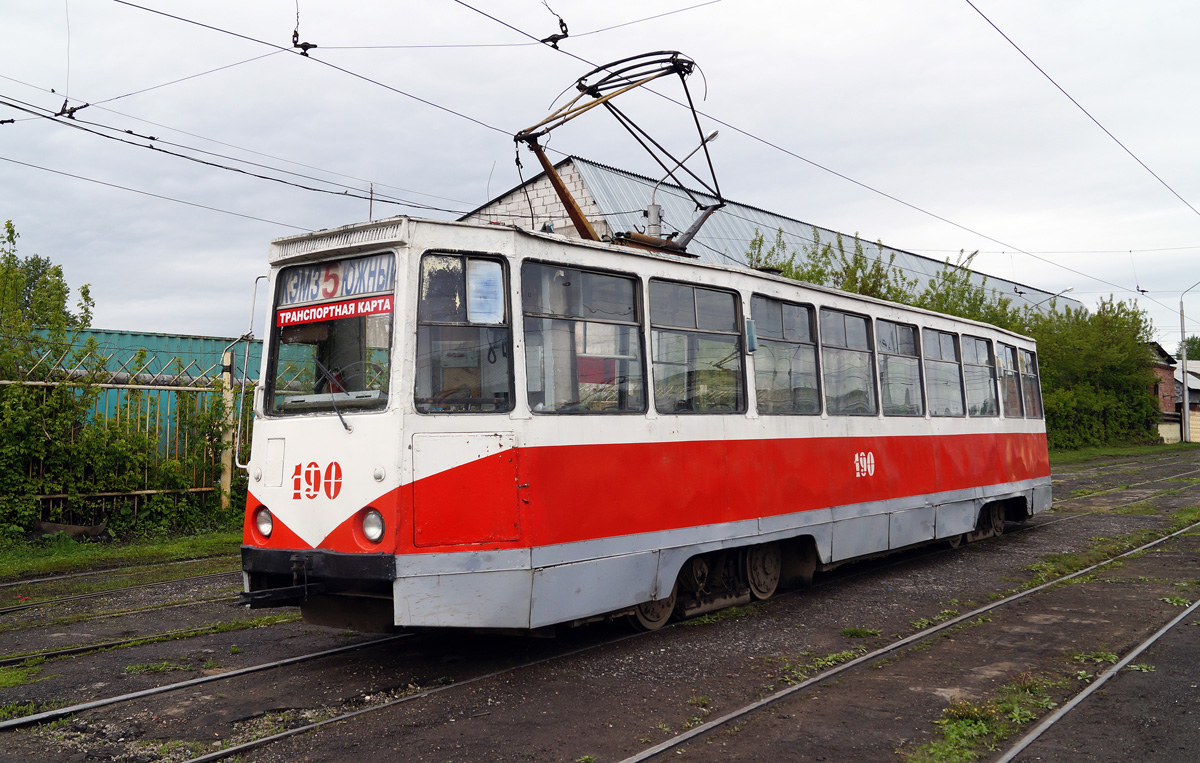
(620, 196)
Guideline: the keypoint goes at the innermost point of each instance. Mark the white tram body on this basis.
(478, 426)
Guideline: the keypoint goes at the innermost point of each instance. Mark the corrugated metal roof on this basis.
(724, 238)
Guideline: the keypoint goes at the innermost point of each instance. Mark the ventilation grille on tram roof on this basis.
(351, 237)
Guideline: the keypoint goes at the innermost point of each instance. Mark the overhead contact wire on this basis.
(1079, 106)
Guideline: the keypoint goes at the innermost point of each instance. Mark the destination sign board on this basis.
(338, 281)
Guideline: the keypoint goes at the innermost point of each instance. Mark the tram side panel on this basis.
(608, 526)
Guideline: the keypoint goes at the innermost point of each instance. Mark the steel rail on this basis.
(1125, 487)
(50, 715)
(256, 743)
(1158, 460)
(704, 728)
(1061, 712)
(111, 571)
(97, 594)
(101, 645)
(771, 699)
(237, 749)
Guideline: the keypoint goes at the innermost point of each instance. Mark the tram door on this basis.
(474, 498)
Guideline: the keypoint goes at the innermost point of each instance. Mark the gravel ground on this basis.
(612, 700)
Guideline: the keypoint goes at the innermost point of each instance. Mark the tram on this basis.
(476, 426)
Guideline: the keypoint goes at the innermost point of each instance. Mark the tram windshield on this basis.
(331, 336)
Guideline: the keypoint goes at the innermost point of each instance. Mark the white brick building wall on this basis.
(513, 208)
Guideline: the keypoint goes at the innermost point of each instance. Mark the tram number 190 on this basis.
(864, 464)
(308, 480)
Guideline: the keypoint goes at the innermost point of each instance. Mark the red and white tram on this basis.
(476, 426)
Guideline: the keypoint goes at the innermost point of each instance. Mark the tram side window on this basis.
(785, 365)
(943, 373)
(697, 349)
(464, 344)
(899, 369)
(980, 372)
(847, 364)
(583, 341)
(1031, 391)
(1010, 382)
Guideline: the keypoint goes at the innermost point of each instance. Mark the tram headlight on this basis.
(264, 521)
(372, 526)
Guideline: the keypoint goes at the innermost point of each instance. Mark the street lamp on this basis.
(1056, 296)
(1187, 397)
(653, 211)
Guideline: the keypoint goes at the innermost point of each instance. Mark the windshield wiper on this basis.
(330, 381)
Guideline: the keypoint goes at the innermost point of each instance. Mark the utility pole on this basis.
(1186, 411)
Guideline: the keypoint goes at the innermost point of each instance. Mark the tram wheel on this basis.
(764, 564)
(955, 541)
(996, 519)
(654, 614)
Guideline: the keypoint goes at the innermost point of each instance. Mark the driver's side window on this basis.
(464, 337)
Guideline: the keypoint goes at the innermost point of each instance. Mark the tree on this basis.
(1097, 374)
(954, 292)
(1193, 348)
(38, 423)
(1096, 370)
(35, 317)
(829, 264)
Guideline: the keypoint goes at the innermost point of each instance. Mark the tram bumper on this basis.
(278, 578)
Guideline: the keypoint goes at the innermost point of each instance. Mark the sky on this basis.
(926, 125)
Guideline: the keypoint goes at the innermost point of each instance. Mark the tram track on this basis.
(113, 591)
(925, 635)
(1127, 465)
(832, 580)
(52, 715)
(113, 571)
(428, 693)
(1063, 711)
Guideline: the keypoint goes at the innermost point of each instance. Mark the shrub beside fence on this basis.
(121, 452)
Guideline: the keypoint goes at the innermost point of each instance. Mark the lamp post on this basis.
(1185, 412)
(1055, 296)
(653, 211)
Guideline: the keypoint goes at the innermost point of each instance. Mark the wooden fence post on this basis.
(227, 432)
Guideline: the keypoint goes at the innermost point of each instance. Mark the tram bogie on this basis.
(479, 427)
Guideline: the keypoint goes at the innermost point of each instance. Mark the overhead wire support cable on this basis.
(281, 48)
(454, 46)
(79, 125)
(1079, 106)
(155, 195)
(831, 171)
(96, 105)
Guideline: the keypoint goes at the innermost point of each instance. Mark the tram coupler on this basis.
(281, 597)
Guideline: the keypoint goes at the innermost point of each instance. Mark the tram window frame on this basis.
(575, 316)
(452, 324)
(839, 345)
(976, 366)
(894, 351)
(672, 324)
(775, 336)
(937, 344)
(1031, 388)
(1010, 382)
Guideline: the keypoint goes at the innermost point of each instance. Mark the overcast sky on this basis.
(942, 136)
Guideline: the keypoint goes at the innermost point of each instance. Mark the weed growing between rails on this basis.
(970, 729)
